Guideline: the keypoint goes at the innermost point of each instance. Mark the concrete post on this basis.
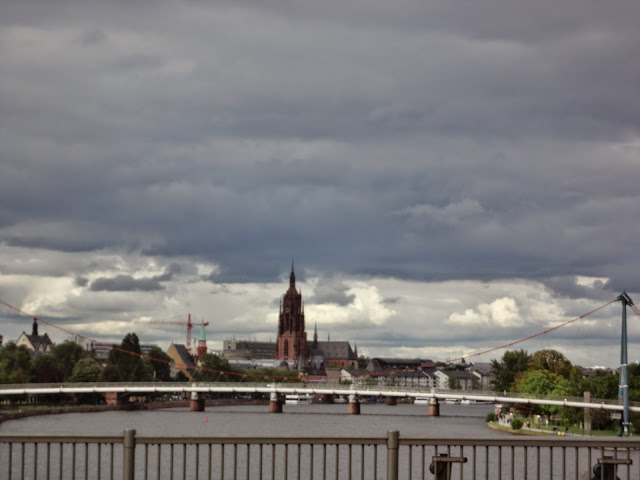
(391, 400)
(275, 403)
(129, 455)
(392, 454)
(434, 407)
(196, 404)
(587, 414)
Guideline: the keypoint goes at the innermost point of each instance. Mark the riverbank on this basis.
(522, 431)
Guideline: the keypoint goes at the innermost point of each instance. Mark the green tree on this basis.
(454, 383)
(552, 361)
(475, 384)
(129, 365)
(633, 371)
(213, 368)
(505, 370)
(15, 364)
(67, 355)
(363, 362)
(86, 370)
(161, 364)
(542, 382)
(602, 385)
(44, 369)
(109, 373)
(271, 375)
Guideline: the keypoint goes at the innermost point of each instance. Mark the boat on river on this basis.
(298, 399)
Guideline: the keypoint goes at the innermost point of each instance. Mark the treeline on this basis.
(69, 362)
(549, 372)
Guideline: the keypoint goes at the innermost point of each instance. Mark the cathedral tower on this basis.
(292, 337)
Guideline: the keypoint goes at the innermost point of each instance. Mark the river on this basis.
(455, 421)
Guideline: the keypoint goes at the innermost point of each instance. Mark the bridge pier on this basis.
(354, 405)
(196, 403)
(116, 398)
(391, 400)
(275, 403)
(324, 397)
(434, 407)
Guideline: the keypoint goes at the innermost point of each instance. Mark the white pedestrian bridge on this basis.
(362, 391)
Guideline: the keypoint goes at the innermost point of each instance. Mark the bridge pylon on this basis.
(624, 377)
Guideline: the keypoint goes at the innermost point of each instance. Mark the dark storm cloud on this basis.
(169, 272)
(569, 287)
(127, 283)
(419, 140)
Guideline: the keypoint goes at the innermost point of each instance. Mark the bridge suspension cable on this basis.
(510, 344)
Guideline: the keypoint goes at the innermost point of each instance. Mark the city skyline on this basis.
(446, 178)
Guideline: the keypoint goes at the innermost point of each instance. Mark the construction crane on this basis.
(176, 322)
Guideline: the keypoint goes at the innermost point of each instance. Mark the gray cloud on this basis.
(331, 290)
(420, 141)
(126, 283)
(569, 287)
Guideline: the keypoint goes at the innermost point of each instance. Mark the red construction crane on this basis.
(176, 322)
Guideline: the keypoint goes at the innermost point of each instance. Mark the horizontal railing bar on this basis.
(40, 438)
(615, 461)
(48, 438)
(449, 459)
(262, 440)
(550, 441)
(530, 441)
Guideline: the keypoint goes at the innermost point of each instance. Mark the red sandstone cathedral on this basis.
(292, 337)
(291, 344)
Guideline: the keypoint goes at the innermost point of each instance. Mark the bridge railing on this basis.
(392, 457)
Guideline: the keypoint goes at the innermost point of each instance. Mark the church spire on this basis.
(315, 336)
(292, 277)
(202, 341)
(202, 336)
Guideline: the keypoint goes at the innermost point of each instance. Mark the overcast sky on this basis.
(448, 176)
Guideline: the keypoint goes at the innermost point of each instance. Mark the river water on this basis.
(455, 421)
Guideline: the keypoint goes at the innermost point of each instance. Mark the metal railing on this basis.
(390, 457)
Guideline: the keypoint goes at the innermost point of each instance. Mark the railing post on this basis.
(392, 455)
(129, 455)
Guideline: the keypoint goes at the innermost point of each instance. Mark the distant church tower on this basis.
(202, 341)
(292, 338)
